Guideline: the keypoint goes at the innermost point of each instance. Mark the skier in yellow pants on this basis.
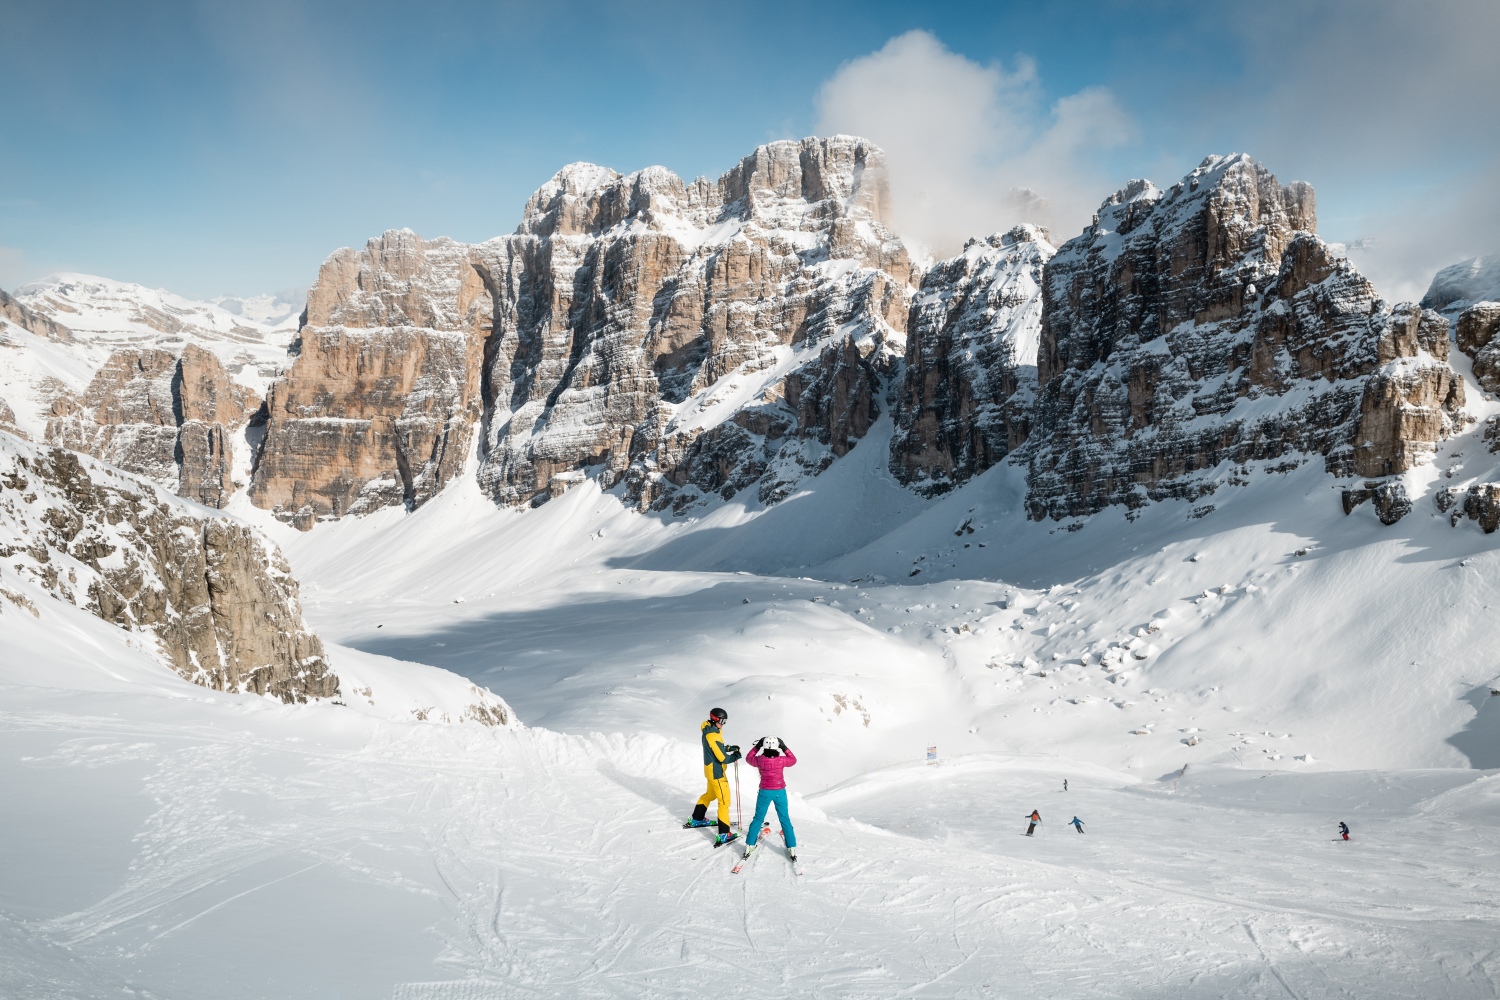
(715, 755)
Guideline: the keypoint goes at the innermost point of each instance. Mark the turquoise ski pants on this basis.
(766, 798)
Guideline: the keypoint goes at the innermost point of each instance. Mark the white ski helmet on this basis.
(770, 743)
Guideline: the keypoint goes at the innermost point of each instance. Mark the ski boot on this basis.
(694, 824)
(725, 838)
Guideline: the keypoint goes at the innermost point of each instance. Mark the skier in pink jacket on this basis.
(770, 756)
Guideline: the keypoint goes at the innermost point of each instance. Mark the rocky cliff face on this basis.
(8, 421)
(970, 382)
(1206, 326)
(159, 385)
(380, 404)
(170, 418)
(32, 321)
(677, 340)
(219, 599)
(693, 339)
(1477, 330)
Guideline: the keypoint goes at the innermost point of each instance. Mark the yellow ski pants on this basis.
(718, 788)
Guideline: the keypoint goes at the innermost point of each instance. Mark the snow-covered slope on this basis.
(250, 336)
(1460, 285)
(175, 837)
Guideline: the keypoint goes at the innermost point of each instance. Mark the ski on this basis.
(694, 824)
(765, 831)
(796, 865)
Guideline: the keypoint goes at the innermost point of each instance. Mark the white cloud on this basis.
(971, 149)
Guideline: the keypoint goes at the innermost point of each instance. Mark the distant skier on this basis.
(1035, 818)
(1077, 824)
(770, 757)
(1344, 829)
(715, 755)
(1065, 784)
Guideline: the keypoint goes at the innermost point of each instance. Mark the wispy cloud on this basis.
(1392, 109)
(973, 148)
(13, 268)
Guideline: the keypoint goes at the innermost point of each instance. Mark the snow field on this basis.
(1141, 646)
(249, 850)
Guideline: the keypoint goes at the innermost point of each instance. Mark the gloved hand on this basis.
(731, 754)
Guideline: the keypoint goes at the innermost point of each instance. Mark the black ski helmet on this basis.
(718, 715)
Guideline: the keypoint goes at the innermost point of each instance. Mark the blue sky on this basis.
(229, 147)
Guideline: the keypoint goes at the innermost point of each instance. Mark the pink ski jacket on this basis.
(771, 767)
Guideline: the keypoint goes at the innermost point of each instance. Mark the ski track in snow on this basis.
(541, 864)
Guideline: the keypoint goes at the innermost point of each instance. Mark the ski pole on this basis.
(739, 803)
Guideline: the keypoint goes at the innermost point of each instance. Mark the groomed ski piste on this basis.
(1219, 691)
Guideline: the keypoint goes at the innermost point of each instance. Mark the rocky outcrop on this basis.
(220, 600)
(8, 421)
(170, 418)
(1391, 501)
(1479, 502)
(32, 321)
(381, 402)
(672, 339)
(1207, 326)
(1477, 331)
(970, 381)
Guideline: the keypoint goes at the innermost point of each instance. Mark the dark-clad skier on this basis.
(1344, 829)
(715, 755)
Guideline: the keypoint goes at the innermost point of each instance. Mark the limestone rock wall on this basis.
(1207, 324)
(380, 404)
(970, 380)
(692, 339)
(218, 597)
(676, 339)
(32, 321)
(8, 421)
(168, 417)
(1477, 330)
